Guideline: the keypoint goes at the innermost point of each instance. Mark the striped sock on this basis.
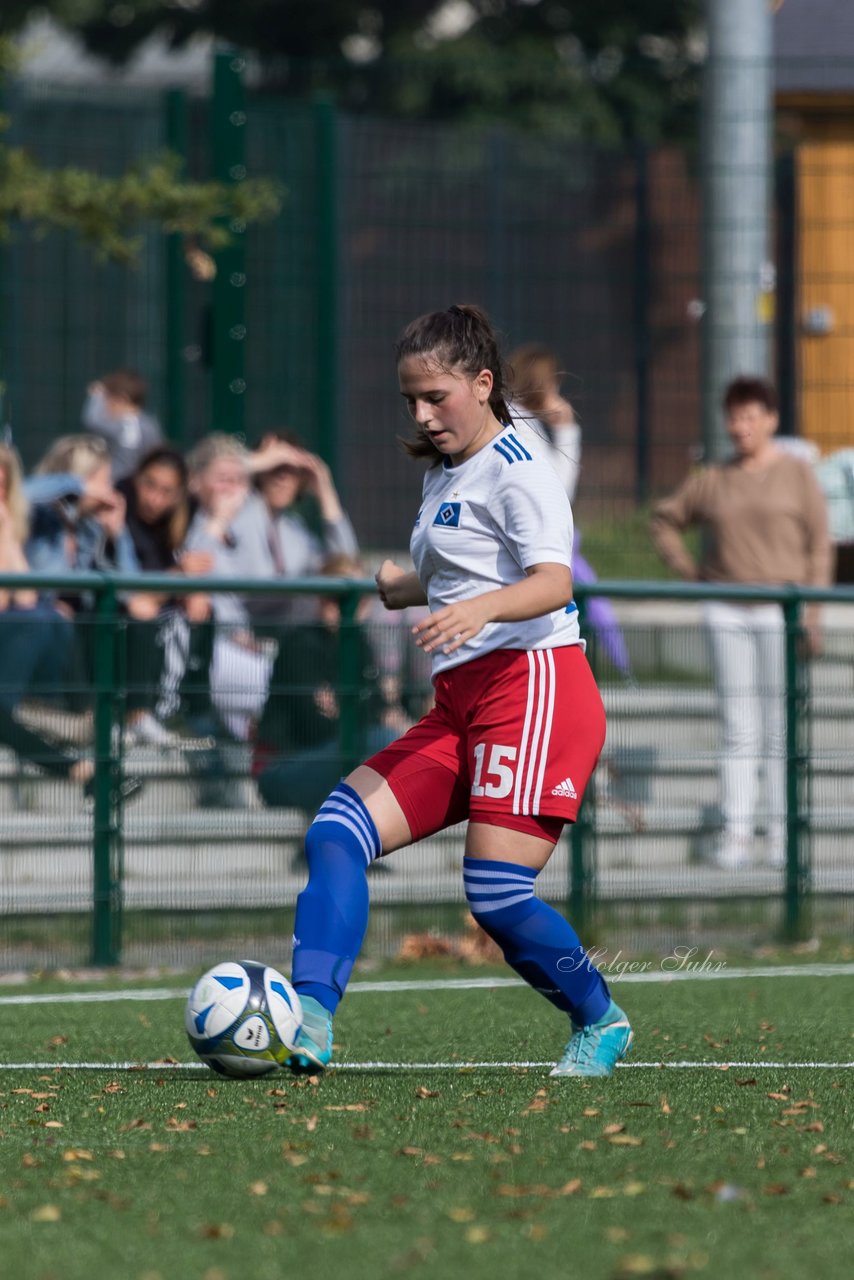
(332, 910)
(537, 942)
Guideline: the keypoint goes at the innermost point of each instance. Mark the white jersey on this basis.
(481, 525)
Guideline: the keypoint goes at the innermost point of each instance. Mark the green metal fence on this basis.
(594, 252)
(200, 864)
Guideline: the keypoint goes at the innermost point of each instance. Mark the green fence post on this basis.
(326, 278)
(641, 322)
(349, 678)
(106, 883)
(228, 335)
(797, 869)
(176, 141)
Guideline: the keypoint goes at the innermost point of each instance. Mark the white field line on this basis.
(427, 1066)
(684, 974)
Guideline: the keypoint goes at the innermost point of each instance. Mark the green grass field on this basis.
(662, 1171)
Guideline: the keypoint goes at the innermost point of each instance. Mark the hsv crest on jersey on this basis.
(511, 449)
(448, 515)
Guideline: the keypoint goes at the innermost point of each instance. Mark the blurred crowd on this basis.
(198, 671)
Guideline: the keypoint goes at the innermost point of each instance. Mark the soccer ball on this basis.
(243, 1018)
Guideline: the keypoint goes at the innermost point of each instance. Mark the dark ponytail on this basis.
(460, 338)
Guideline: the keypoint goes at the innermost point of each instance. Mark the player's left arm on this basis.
(545, 588)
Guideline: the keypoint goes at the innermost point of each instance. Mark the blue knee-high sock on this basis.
(332, 910)
(536, 940)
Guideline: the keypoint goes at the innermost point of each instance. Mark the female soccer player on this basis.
(517, 725)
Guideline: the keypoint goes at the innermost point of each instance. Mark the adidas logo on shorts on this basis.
(565, 788)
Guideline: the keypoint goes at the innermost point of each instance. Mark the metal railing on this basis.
(107, 830)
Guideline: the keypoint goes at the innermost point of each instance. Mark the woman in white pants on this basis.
(764, 522)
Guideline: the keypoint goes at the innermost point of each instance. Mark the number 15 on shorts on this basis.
(497, 779)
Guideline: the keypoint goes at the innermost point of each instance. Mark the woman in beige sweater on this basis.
(764, 520)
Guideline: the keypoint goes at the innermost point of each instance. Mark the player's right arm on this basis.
(397, 588)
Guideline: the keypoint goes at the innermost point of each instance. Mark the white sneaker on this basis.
(147, 730)
(732, 854)
(775, 855)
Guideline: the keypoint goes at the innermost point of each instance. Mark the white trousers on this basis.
(749, 663)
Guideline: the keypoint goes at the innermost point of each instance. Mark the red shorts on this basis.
(511, 741)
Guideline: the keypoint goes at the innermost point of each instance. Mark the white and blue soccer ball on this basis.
(243, 1018)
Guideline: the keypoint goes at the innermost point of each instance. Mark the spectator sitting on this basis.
(36, 641)
(272, 540)
(158, 511)
(227, 669)
(78, 518)
(256, 534)
(79, 524)
(219, 471)
(114, 410)
(298, 752)
(158, 514)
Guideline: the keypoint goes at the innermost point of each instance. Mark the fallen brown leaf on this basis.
(478, 1235)
(46, 1213)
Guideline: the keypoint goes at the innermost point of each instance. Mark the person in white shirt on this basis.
(517, 725)
(537, 401)
(539, 408)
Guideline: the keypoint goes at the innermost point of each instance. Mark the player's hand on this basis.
(452, 626)
(390, 585)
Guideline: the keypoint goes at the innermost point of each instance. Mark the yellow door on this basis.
(825, 294)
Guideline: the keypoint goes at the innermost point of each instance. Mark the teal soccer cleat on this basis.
(596, 1050)
(313, 1050)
